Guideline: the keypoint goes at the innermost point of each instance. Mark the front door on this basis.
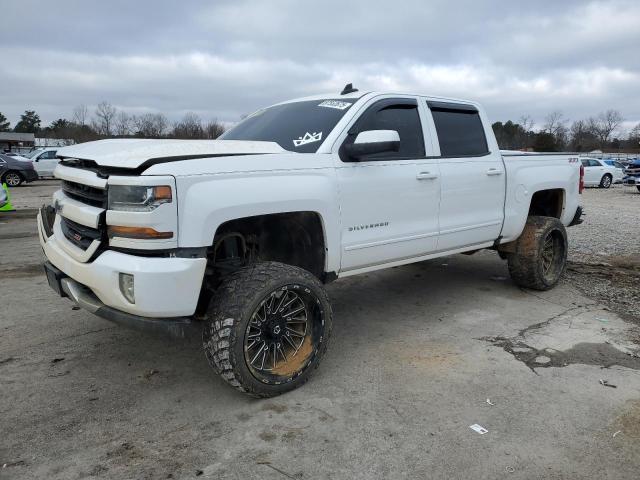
(389, 201)
(593, 171)
(46, 163)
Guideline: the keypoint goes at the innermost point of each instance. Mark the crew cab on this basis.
(240, 234)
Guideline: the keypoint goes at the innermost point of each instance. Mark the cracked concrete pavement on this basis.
(419, 354)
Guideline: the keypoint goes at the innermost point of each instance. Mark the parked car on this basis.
(241, 233)
(614, 163)
(599, 173)
(16, 156)
(44, 160)
(14, 172)
(632, 174)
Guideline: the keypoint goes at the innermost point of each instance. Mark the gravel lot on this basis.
(605, 249)
(419, 353)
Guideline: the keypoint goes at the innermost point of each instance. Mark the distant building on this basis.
(53, 142)
(16, 142)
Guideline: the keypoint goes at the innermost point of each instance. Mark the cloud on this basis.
(225, 59)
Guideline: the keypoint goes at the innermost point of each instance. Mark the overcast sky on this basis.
(223, 59)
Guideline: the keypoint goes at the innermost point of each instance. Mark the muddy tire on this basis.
(606, 181)
(268, 328)
(541, 254)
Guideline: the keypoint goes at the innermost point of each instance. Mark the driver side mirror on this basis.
(373, 141)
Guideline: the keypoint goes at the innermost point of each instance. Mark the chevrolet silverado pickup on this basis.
(632, 174)
(240, 234)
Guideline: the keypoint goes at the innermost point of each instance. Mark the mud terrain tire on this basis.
(249, 303)
(540, 256)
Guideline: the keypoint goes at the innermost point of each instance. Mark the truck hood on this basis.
(134, 153)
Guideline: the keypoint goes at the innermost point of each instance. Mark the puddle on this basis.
(29, 270)
(600, 354)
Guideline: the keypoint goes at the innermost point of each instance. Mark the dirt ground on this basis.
(419, 354)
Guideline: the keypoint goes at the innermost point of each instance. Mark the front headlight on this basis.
(137, 198)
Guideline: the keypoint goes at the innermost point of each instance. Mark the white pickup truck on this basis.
(240, 234)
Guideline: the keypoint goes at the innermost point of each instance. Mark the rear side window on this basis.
(400, 115)
(460, 130)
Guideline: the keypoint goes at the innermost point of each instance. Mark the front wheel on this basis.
(540, 256)
(12, 179)
(605, 181)
(268, 327)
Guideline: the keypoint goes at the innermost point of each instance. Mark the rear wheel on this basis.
(605, 181)
(541, 254)
(12, 179)
(268, 327)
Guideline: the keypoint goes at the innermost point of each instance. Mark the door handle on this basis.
(426, 176)
(494, 171)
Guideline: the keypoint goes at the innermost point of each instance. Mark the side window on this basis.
(400, 115)
(594, 163)
(460, 130)
(585, 163)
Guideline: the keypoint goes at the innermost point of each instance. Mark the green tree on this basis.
(60, 124)
(545, 142)
(29, 122)
(4, 123)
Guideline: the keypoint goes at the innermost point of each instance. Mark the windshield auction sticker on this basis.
(337, 104)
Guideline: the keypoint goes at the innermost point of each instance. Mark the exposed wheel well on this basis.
(293, 238)
(547, 203)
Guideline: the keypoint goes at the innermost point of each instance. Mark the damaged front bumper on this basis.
(631, 181)
(166, 289)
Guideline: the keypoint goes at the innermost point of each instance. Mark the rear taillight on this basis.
(581, 182)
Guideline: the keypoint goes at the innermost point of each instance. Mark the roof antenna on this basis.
(348, 88)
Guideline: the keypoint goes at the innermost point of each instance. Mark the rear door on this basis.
(389, 201)
(472, 177)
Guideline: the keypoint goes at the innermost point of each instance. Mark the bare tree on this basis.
(150, 125)
(189, 127)
(605, 125)
(122, 124)
(527, 122)
(105, 113)
(213, 129)
(582, 137)
(555, 125)
(80, 114)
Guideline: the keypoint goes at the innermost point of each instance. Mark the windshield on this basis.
(298, 126)
(33, 153)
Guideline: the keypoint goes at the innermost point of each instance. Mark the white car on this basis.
(44, 160)
(599, 173)
(239, 234)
